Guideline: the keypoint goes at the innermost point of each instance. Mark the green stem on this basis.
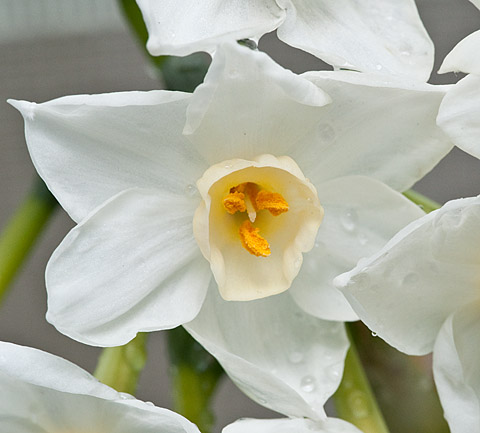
(354, 399)
(427, 204)
(120, 367)
(195, 375)
(21, 232)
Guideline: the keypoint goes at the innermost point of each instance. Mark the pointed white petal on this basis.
(200, 26)
(464, 56)
(376, 126)
(290, 425)
(281, 357)
(249, 105)
(459, 115)
(47, 394)
(370, 36)
(456, 361)
(133, 265)
(88, 148)
(405, 292)
(361, 215)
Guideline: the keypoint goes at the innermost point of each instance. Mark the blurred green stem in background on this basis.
(195, 375)
(427, 204)
(21, 232)
(120, 367)
(354, 399)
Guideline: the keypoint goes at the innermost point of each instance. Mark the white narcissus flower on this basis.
(459, 114)
(44, 393)
(384, 36)
(126, 167)
(422, 293)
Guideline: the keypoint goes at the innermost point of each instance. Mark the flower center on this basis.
(250, 209)
(250, 198)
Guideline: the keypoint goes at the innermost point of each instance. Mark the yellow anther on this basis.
(272, 201)
(252, 241)
(234, 202)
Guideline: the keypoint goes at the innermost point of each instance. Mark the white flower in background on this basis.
(45, 393)
(459, 114)
(253, 138)
(381, 36)
(422, 293)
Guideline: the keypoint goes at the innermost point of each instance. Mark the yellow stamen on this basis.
(272, 201)
(252, 241)
(234, 202)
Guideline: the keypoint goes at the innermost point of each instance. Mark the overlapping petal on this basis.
(459, 114)
(361, 215)
(44, 393)
(249, 105)
(132, 265)
(371, 36)
(457, 376)
(464, 56)
(285, 425)
(427, 271)
(88, 148)
(386, 37)
(456, 360)
(181, 29)
(278, 355)
(376, 126)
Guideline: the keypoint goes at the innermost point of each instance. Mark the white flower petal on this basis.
(405, 292)
(459, 114)
(476, 3)
(133, 265)
(49, 394)
(88, 148)
(376, 126)
(281, 357)
(286, 425)
(372, 36)
(464, 56)
(361, 215)
(200, 26)
(456, 364)
(249, 105)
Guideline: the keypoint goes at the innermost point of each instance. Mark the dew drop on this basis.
(228, 166)
(334, 372)
(349, 220)
(410, 279)
(378, 67)
(327, 133)
(191, 190)
(362, 239)
(308, 383)
(374, 334)
(295, 357)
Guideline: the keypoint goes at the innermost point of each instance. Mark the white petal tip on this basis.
(27, 109)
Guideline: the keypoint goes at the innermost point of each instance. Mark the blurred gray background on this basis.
(51, 48)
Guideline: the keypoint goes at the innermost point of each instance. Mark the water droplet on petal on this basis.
(379, 67)
(362, 239)
(349, 220)
(295, 357)
(308, 383)
(191, 190)
(334, 371)
(327, 133)
(410, 279)
(374, 334)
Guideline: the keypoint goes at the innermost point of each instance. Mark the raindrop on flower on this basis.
(308, 383)
(191, 190)
(349, 220)
(374, 334)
